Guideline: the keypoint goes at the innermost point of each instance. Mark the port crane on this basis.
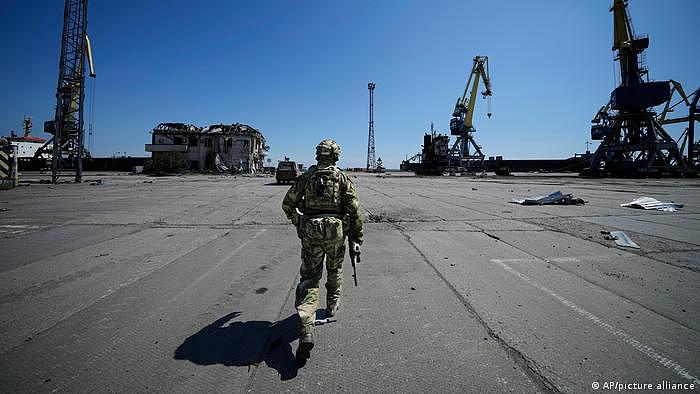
(67, 144)
(687, 139)
(466, 154)
(632, 140)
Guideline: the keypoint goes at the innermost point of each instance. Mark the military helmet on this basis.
(328, 149)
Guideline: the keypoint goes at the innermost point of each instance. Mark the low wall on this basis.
(113, 163)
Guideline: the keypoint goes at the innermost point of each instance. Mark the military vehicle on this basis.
(287, 171)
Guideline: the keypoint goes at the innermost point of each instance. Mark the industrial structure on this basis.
(371, 163)
(465, 154)
(434, 156)
(236, 147)
(28, 147)
(633, 141)
(67, 144)
(687, 138)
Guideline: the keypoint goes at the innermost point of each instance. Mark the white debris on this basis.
(652, 203)
(553, 198)
(622, 239)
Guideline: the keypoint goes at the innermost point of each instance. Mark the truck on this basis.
(287, 171)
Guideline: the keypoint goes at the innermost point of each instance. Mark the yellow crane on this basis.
(632, 140)
(463, 115)
(461, 156)
(67, 144)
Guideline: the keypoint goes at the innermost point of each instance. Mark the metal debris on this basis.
(553, 198)
(219, 164)
(620, 238)
(652, 203)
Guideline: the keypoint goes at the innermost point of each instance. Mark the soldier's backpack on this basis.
(322, 190)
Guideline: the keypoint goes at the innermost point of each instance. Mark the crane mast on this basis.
(466, 154)
(67, 143)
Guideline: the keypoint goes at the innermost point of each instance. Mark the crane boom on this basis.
(622, 26)
(88, 47)
(464, 108)
(676, 87)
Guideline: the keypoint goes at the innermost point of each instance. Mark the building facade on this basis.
(236, 147)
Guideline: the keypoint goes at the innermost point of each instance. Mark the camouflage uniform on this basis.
(330, 211)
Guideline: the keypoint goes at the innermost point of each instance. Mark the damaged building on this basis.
(236, 147)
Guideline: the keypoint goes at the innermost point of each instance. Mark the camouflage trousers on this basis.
(313, 255)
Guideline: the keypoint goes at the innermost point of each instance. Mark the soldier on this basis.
(323, 206)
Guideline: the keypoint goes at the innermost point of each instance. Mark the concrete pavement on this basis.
(186, 284)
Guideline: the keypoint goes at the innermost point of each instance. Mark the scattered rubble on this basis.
(620, 238)
(557, 197)
(219, 164)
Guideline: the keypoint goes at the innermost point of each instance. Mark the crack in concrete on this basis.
(649, 255)
(565, 269)
(114, 292)
(528, 365)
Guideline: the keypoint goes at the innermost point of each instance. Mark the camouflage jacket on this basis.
(349, 204)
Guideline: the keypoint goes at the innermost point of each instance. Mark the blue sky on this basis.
(299, 70)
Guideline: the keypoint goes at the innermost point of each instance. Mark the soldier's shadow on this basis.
(244, 344)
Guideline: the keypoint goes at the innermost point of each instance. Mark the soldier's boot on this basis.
(332, 307)
(306, 343)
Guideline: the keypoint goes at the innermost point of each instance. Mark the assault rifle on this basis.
(354, 258)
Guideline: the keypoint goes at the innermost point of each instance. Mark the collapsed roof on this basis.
(226, 129)
(176, 128)
(235, 128)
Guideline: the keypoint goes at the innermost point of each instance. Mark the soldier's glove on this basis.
(297, 217)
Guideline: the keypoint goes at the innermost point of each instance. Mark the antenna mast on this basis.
(371, 163)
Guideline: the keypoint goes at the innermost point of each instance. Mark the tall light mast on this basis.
(371, 163)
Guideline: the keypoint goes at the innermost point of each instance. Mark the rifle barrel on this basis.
(354, 271)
